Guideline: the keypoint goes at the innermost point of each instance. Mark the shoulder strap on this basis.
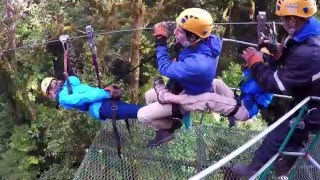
(114, 109)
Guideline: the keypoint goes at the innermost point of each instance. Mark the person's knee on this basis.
(217, 81)
(143, 115)
(150, 96)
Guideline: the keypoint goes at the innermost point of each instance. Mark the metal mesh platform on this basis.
(181, 158)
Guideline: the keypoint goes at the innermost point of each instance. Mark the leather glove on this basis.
(275, 49)
(161, 30)
(115, 91)
(252, 56)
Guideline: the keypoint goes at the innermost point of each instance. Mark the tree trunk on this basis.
(12, 15)
(135, 44)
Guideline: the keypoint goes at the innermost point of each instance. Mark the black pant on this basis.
(273, 141)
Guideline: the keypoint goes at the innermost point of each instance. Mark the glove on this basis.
(115, 92)
(252, 56)
(160, 30)
(274, 48)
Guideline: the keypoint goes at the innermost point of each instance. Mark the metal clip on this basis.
(90, 36)
(261, 19)
(64, 39)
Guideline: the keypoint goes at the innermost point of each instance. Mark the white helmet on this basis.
(45, 84)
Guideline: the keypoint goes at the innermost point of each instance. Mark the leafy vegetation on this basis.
(39, 141)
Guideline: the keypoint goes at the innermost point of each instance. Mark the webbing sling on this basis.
(114, 109)
(93, 49)
(66, 63)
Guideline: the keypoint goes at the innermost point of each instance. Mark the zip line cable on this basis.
(31, 45)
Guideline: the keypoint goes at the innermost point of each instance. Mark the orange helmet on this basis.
(300, 8)
(197, 21)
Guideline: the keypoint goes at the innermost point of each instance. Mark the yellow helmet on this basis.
(45, 84)
(300, 8)
(197, 21)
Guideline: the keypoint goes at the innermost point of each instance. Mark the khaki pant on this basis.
(221, 101)
(155, 115)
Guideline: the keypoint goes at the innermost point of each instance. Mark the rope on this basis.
(32, 45)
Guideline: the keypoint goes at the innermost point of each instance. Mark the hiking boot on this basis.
(160, 89)
(244, 170)
(162, 136)
(283, 165)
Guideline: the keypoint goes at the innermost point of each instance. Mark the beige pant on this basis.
(155, 115)
(222, 101)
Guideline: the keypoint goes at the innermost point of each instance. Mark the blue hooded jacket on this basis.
(83, 98)
(311, 28)
(195, 68)
(300, 63)
(252, 95)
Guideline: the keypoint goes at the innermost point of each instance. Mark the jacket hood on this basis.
(311, 28)
(212, 46)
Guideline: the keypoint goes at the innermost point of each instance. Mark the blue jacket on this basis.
(195, 68)
(83, 98)
(252, 95)
(299, 72)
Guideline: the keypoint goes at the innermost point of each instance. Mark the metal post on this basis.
(286, 140)
(293, 153)
(314, 162)
(264, 167)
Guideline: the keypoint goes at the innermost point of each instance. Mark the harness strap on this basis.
(128, 125)
(176, 112)
(235, 110)
(114, 109)
(66, 63)
(93, 49)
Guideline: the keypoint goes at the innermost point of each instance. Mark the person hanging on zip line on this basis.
(98, 102)
(194, 69)
(222, 99)
(294, 71)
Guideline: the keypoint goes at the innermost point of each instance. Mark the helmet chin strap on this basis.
(291, 32)
(187, 43)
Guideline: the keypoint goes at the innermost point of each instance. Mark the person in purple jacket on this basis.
(194, 68)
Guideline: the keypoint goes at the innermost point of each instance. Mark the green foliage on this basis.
(17, 162)
(51, 145)
(233, 75)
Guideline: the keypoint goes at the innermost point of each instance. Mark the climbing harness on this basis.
(93, 49)
(66, 61)
(114, 98)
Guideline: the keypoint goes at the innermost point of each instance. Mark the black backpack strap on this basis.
(128, 125)
(235, 110)
(114, 109)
